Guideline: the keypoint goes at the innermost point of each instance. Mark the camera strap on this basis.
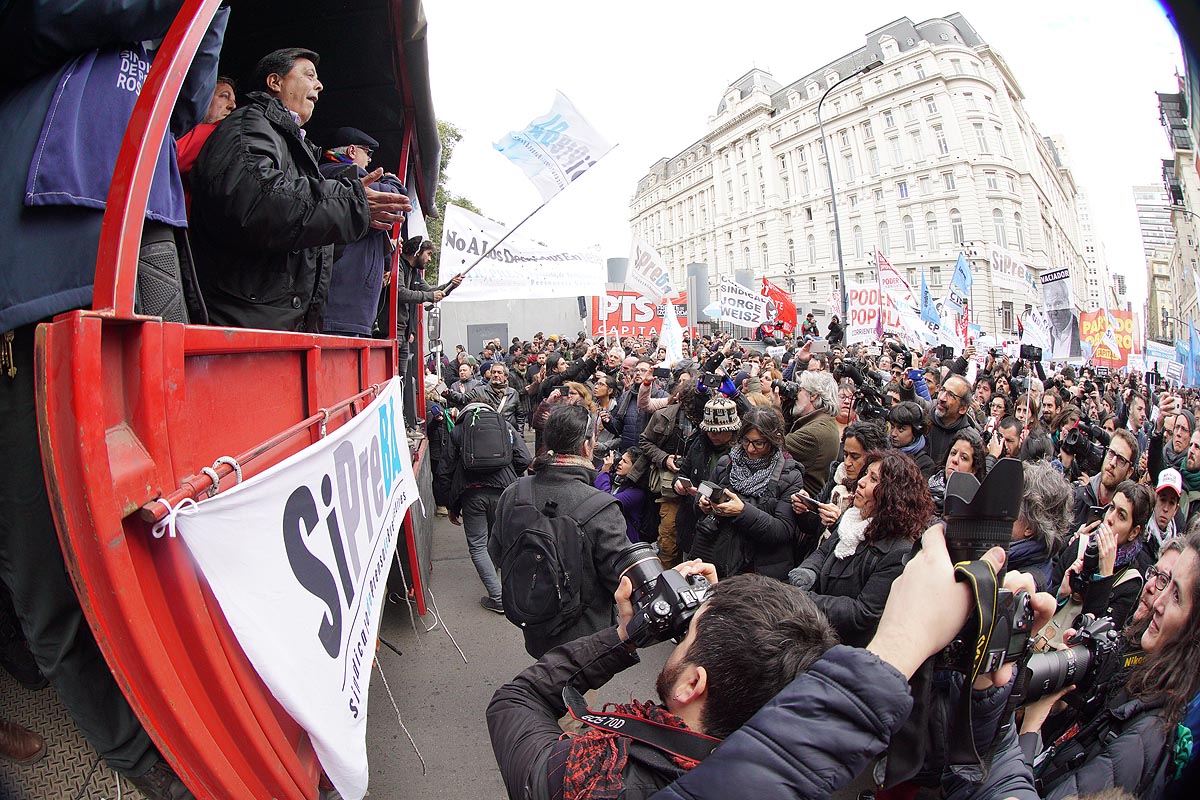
(674, 741)
(962, 757)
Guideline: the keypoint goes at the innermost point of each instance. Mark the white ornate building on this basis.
(933, 153)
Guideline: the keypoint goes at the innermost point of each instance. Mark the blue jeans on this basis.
(478, 514)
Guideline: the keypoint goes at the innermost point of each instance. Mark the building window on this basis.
(889, 121)
(858, 241)
(902, 189)
(910, 234)
(897, 153)
(845, 137)
(898, 76)
(1012, 183)
(837, 107)
(853, 202)
(812, 285)
(801, 155)
(990, 105)
(868, 134)
(787, 187)
(808, 213)
(920, 70)
(956, 65)
(873, 159)
(923, 183)
(931, 228)
(909, 115)
(1003, 144)
(885, 244)
(1019, 226)
(992, 183)
(931, 106)
(791, 251)
(858, 277)
(948, 181)
(935, 275)
(805, 188)
(878, 196)
(1006, 315)
(812, 249)
(848, 162)
(763, 247)
(918, 147)
(998, 229)
(833, 248)
(956, 227)
(940, 136)
(912, 276)
(969, 98)
(980, 137)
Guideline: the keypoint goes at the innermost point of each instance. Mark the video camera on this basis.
(1086, 441)
(980, 516)
(869, 400)
(664, 601)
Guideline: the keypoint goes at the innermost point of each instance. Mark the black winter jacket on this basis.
(811, 739)
(763, 538)
(523, 721)
(853, 590)
(451, 478)
(604, 539)
(264, 221)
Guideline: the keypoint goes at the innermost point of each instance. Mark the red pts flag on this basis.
(781, 309)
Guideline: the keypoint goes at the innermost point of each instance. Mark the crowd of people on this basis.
(797, 476)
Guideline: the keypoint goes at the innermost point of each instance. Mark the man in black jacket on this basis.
(953, 400)
(732, 661)
(264, 220)
(497, 393)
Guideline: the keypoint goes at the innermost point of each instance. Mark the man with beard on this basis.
(732, 661)
(1119, 460)
(497, 393)
(814, 437)
(949, 416)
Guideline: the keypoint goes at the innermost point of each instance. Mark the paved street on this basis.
(441, 699)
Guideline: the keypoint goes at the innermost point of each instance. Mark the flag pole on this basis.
(500, 241)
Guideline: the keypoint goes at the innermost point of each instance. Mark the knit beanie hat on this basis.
(720, 415)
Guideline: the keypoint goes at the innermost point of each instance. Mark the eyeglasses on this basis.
(1121, 460)
(1159, 577)
(957, 397)
(370, 151)
(754, 444)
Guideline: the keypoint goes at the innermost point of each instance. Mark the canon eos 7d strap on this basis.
(675, 741)
(963, 758)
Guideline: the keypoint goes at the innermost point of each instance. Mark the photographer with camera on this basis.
(748, 640)
(718, 426)
(812, 439)
(747, 523)
(664, 443)
(1100, 569)
(850, 572)
(1127, 735)
(1173, 428)
(1117, 465)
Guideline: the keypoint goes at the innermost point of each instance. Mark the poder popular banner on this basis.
(518, 268)
(1092, 329)
(298, 558)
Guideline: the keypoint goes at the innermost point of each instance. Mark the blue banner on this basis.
(960, 285)
(1193, 351)
(929, 313)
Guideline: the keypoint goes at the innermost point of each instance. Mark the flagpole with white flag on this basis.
(553, 151)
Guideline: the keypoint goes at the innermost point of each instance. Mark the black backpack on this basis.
(541, 569)
(486, 438)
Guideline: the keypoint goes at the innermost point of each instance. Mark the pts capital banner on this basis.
(633, 314)
(298, 558)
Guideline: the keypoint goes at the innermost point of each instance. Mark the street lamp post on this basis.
(837, 228)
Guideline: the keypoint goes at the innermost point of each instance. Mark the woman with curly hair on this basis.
(850, 574)
(966, 454)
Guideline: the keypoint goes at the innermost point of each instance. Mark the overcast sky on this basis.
(649, 74)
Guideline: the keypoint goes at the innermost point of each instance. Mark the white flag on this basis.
(647, 273)
(671, 335)
(740, 305)
(555, 148)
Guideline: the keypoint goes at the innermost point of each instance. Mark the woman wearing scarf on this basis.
(906, 426)
(754, 528)
(613, 478)
(859, 438)
(966, 454)
(1113, 590)
(851, 572)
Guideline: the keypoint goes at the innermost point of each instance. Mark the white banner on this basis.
(298, 559)
(518, 268)
(1010, 273)
(671, 336)
(741, 306)
(555, 148)
(894, 284)
(647, 274)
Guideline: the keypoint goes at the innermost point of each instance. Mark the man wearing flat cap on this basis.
(358, 267)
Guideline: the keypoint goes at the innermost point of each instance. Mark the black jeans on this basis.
(32, 566)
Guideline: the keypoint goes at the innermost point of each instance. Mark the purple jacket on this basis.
(631, 498)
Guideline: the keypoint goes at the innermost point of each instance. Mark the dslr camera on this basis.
(980, 516)
(713, 492)
(1092, 657)
(787, 389)
(664, 601)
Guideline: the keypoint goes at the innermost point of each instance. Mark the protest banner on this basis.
(520, 268)
(1009, 272)
(865, 322)
(741, 306)
(1095, 327)
(647, 274)
(298, 559)
(632, 314)
(780, 309)
(959, 293)
(893, 283)
(554, 149)
(1060, 311)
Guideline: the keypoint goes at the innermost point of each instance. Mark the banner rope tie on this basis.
(212, 476)
(445, 627)
(237, 468)
(403, 727)
(166, 525)
(324, 412)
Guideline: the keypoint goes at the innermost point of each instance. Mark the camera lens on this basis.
(639, 562)
(1049, 672)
